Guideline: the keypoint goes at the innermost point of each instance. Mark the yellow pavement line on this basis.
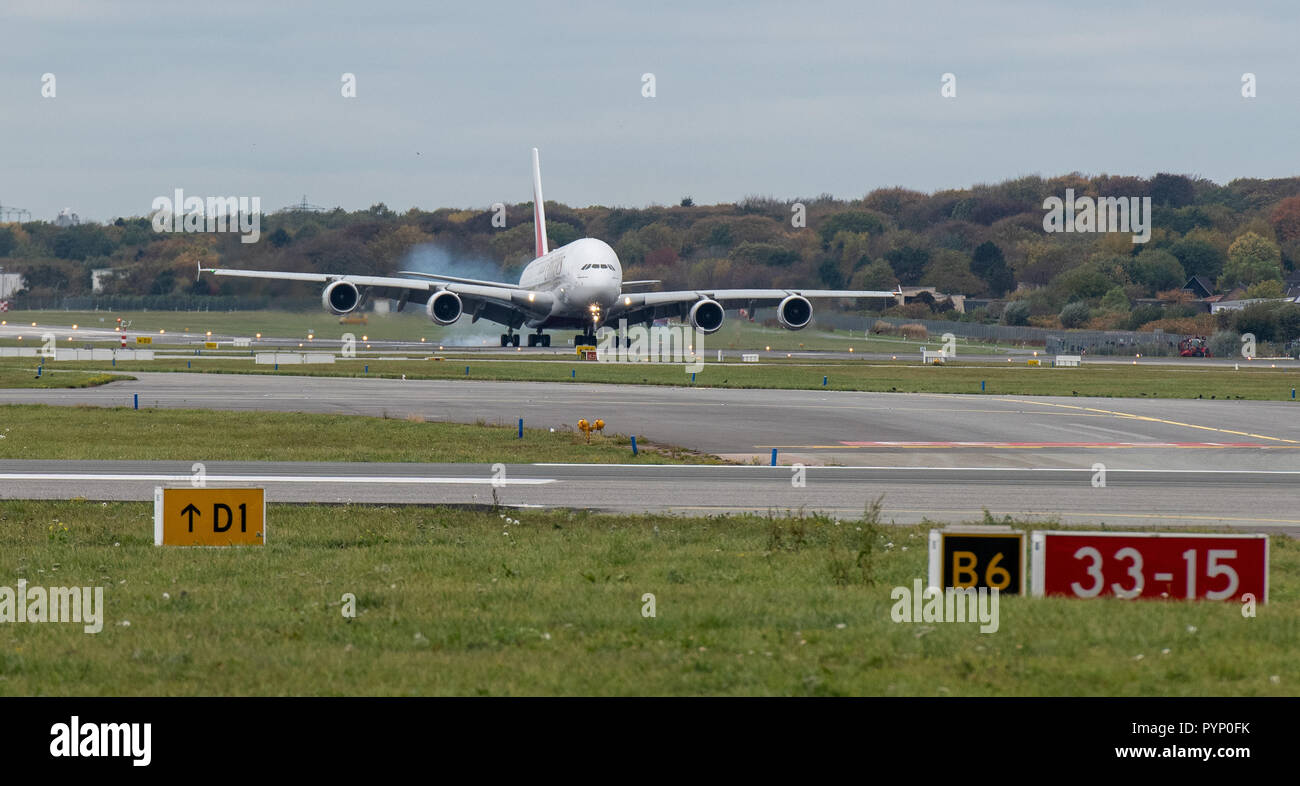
(991, 446)
(1019, 513)
(1150, 419)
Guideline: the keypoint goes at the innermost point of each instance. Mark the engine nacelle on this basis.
(341, 297)
(706, 316)
(794, 313)
(444, 307)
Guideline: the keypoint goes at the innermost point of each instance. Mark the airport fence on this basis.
(1097, 342)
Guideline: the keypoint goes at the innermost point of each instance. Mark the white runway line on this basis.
(274, 479)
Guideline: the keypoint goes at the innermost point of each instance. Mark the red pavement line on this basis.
(1055, 444)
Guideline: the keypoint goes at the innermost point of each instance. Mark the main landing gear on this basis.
(584, 341)
(538, 339)
(512, 340)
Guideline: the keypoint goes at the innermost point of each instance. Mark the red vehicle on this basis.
(1195, 347)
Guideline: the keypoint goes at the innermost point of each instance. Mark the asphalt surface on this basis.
(814, 427)
(940, 457)
(1127, 498)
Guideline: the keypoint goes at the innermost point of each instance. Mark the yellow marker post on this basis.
(209, 517)
(209, 345)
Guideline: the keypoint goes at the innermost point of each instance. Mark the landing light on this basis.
(627, 301)
(532, 296)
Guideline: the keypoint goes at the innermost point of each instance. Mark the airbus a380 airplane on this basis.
(577, 286)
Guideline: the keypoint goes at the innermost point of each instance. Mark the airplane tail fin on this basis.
(539, 211)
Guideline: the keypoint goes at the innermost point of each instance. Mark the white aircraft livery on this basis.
(577, 286)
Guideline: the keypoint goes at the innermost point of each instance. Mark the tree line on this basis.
(986, 241)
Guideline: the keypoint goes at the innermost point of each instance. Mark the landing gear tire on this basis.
(505, 340)
(546, 340)
(514, 340)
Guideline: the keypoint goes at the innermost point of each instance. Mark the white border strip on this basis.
(275, 478)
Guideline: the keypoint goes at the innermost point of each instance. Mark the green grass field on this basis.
(23, 375)
(468, 602)
(100, 433)
(1259, 382)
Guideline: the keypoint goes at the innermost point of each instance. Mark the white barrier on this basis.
(67, 354)
(17, 352)
(1068, 360)
(931, 356)
(241, 342)
(292, 358)
(750, 358)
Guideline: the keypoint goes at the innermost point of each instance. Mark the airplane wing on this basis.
(456, 279)
(503, 303)
(658, 305)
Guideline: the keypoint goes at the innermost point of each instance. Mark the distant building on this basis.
(67, 218)
(1240, 303)
(931, 296)
(11, 284)
(98, 277)
(1291, 284)
(1199, 287)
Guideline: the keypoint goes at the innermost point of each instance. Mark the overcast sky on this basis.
(782, 99)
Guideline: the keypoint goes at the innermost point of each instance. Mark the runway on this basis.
(1258, 502)
(939, 457)
(814, 427)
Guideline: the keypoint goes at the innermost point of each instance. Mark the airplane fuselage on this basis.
(585, 278)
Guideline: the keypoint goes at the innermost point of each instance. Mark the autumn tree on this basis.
(991, 266)
(1251, 258)
(1286, 219)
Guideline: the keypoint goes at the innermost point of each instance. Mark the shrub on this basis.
(1225, 343)
(1075, 315)
(914, 332)
(1016, 313)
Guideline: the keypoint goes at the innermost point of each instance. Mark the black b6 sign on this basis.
(972, 558)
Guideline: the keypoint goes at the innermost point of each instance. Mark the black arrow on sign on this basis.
(192, 512)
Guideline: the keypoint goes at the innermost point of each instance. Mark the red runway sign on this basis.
(1150, 565)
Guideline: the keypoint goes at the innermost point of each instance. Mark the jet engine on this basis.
(706, 316)
(444, 307)
(341, 297)
(794, 313)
